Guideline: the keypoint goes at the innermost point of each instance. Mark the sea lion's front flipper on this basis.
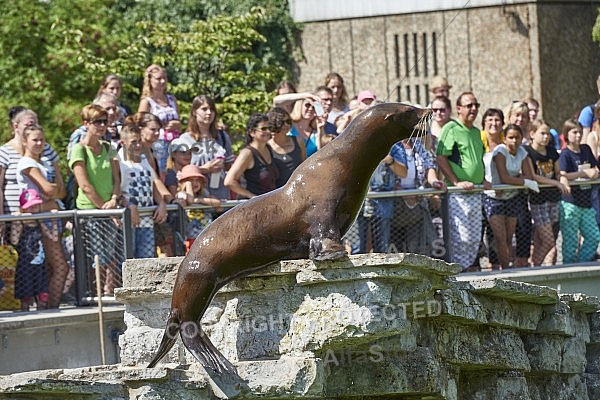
(198, 343)
(326, 249)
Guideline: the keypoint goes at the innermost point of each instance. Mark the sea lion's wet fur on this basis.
(305, 218)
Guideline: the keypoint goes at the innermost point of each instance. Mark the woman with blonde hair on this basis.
(156, 100)
(335, 82)
(308, 126)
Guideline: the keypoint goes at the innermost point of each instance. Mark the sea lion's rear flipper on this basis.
(198, 343)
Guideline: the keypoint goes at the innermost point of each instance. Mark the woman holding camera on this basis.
(307, 125)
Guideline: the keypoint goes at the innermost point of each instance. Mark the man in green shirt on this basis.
(460, 158)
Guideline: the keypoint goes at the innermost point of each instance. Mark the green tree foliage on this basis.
(596, 29)
(44, 48)
(54, 54)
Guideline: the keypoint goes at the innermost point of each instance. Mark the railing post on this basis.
(128, 234)
(179, 232)
(446, 227)
(81, 269)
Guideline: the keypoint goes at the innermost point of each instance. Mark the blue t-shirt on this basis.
(569, 161)
(586, 116)
(310, 143)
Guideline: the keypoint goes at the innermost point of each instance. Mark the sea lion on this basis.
(305, 218)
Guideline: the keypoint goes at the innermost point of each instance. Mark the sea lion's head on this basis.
(399, 121)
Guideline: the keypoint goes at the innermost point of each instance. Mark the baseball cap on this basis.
(365, 94)
(180, 144)
(29, 197)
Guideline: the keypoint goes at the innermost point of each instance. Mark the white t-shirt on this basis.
(513, 167)
(23, 180)
(410, 182)
(9, 159)
(136, 185)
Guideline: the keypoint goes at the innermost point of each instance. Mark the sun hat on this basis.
(365, 94)
(438, 82)
(190, 171)
(29, 197)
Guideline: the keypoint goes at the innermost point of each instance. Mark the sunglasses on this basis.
(263, 129)
(100, 122)
(471, 105)
(438, 110)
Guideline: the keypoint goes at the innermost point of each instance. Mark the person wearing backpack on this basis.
(109, 102)
(96, 170)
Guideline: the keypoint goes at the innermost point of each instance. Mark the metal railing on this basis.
(109, 235)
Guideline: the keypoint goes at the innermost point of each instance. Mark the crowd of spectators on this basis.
(118, 158)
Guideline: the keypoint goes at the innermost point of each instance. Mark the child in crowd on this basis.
(35, 172)
(192, 190)
(31, 277)
(138, 187)
(511, 166)
(577, 216)
(544, 206)
(180, 155)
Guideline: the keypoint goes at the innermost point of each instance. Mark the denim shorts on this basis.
(493, 206)
(545, 213)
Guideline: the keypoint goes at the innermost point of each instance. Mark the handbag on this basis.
(8, 267)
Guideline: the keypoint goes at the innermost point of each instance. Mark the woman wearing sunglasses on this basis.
(442, 113)
(308, 126)
(255, 161)
(288, 151)
(96, 169)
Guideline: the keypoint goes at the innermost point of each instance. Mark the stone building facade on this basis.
(501, 50)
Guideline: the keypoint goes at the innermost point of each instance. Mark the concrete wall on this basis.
(372, 326)
(66, 338)
(502, 53)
